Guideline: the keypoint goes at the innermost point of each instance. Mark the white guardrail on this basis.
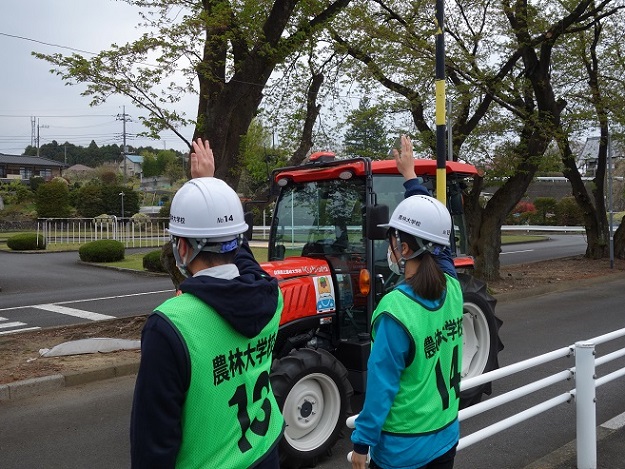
(583, 394)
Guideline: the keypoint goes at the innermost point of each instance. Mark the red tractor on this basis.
(329, 255)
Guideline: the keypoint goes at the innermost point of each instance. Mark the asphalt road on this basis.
(54, 289)
(87, 426)
(555, 246)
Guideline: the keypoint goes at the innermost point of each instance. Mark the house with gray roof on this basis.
(23, 167)
(588, 158)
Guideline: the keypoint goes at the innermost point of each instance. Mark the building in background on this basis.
(22, 167)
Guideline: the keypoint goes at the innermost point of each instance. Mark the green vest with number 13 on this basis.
(230, 417)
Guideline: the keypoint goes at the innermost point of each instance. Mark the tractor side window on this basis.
(389, 190)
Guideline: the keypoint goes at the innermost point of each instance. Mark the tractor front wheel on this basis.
(313, 391)
(481, 343)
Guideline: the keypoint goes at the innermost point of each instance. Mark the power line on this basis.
(47, 43)
(59, 116)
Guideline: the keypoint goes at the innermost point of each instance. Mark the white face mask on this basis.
(180, 262)
(394, 266)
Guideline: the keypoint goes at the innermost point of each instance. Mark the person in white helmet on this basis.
(410, 414)
(202, 397)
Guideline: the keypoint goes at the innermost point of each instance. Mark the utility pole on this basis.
(38, 127)
(33, 130)
(124, 150)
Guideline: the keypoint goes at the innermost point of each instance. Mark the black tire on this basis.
(307, 384)
(481, 342)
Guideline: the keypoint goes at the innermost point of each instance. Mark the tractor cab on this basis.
(329, 210)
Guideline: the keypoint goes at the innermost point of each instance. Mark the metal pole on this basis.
(450, 143)
(441, 156)
(611, 213)
(585, 405)
(124, 147)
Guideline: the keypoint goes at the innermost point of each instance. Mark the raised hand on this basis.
(405, 158)
(202, 159)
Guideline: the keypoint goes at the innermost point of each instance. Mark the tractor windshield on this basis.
(320, 217)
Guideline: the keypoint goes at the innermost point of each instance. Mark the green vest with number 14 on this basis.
(428, 396)
(230, 418)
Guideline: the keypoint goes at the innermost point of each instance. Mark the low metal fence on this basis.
(583, 394)
(131, 232)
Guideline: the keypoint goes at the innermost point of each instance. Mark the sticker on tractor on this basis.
(325, 294)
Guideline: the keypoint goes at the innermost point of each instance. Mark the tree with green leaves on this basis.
(366, 133)
(241, 44)
(260, 158)
(499, 64)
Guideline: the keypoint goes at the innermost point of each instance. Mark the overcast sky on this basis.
(28, 90)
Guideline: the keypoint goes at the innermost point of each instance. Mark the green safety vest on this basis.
(230, 418)
(429, 390)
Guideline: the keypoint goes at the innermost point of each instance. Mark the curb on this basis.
(36, 386)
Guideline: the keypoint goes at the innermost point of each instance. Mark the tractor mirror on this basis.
(455, 204)
(249, 219)
(377, 215)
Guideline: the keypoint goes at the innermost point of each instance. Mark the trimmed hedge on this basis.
(26, 242)
(102, 250)
(152, 262)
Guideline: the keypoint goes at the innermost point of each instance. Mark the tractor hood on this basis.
(296, 267)
(307, 287)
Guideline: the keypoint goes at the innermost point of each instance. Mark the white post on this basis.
(585, 404)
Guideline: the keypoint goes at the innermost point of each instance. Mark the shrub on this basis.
(104, 219)
(89, 201)
(546, 209)
(152, 261)
(140, 220)
(102, 250)
(26, 242)
(52, 200)
(568, 212)
(521, 213)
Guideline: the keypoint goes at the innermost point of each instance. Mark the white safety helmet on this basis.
(207, 208)
(423, 217)
(208, 213)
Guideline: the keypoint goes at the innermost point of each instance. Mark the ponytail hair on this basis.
(429, 281)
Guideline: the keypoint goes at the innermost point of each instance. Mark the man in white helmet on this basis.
(203, 397)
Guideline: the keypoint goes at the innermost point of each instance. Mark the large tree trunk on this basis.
(595, 219)
(485, 222)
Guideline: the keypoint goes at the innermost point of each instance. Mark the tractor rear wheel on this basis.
(481, 343)
(314, 393)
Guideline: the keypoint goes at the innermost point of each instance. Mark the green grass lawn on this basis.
(135, 261)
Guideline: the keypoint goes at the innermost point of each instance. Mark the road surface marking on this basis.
(516, 252)
(4, 325)
(78, 313)
(172, 292)
(19, 330)
(615, 423)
